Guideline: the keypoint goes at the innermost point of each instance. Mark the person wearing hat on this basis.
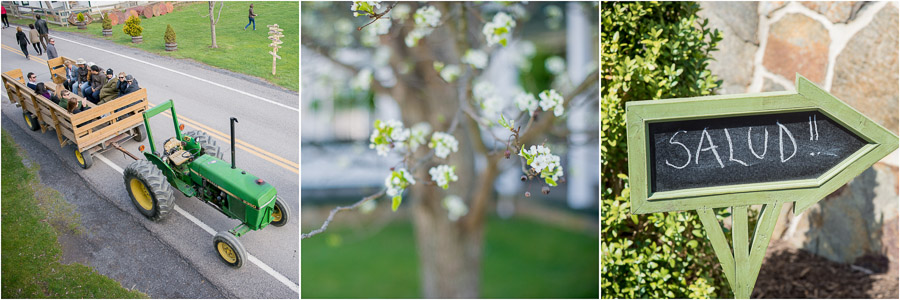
(130, 85)
(92, 93)
(110, 89)
(82, 76)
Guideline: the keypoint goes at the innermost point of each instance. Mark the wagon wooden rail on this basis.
(95, 130)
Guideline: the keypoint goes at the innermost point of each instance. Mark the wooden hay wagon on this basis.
(95, 130)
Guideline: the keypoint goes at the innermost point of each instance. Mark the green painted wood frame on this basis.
(808, 97)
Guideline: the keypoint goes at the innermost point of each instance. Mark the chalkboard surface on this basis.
(748, 149)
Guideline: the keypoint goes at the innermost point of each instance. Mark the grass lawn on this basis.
(522, 259)
(240, 51)
(30, 259)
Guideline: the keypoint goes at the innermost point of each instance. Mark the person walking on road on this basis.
(42, 29)
(252, 19)
(5, 19)
(35, 38)
(51, 49)
(23, 41)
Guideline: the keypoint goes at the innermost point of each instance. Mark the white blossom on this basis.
(499, 30)
(450, 73)
(417, 135)
(555, 65)
(456, 208)
(427, 16)
(380, 26)
(543, 162)
(387, 135)
(400, 13)
(491, 106)
(412, 39)
(442, 175)
(550, 99)
(397, 181)
(364, 6)
(482, 90)
(443, 144)
(362, 80)
(477, 58)
(526, 101)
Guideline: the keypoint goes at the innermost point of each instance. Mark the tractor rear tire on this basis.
(85, 159)
(230, 250)
(140, 133)
(206, 142)
(282, 213)
(150, 193)
(31, 121)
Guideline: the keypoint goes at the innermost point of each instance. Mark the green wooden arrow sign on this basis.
(740, 150)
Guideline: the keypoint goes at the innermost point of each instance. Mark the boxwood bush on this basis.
(651, 51)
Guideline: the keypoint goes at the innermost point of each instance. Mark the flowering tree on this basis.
(452, 116)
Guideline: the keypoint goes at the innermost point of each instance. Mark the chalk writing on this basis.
(734, 150)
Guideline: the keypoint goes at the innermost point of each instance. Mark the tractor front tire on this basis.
(150, 193)
(206, 142)
(230, 250)
(31, 121)
(85, 159)
(282, 213)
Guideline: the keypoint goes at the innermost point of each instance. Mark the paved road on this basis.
(174, 258)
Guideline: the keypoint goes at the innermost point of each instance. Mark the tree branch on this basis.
(338, 209)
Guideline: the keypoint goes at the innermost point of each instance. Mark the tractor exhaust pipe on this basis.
(233, 120)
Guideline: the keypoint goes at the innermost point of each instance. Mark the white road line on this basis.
(284, 280)
(182, 73)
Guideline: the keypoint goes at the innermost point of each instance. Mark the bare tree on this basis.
(450, 251)
(214, 19)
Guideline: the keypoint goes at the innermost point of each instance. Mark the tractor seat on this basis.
(179, 157)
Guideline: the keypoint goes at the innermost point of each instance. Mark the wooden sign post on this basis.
(275, 34)
(739, 150)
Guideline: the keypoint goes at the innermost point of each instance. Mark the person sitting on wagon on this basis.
(82, 77)
(71, 75)
(42, 90)
(66, 100)
(97, 83)
(32, 81)
(130, 84)
(110, 90)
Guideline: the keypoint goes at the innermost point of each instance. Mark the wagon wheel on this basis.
(281, 214)
(140, 133)
(85, 159)
(150, 193)
(230, 250)
(31, 121)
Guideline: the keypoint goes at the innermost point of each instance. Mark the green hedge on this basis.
(651, 51)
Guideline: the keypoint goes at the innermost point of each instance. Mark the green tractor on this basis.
(192, 163)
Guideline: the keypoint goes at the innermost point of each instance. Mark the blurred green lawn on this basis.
(522, 259)
(240, 51)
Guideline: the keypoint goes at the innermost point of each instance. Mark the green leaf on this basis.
(396, 202)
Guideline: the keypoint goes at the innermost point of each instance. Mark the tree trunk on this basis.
(450, 252)
(212, 23)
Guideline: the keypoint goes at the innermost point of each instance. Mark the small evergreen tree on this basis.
(133, 26)
(107, 23)
(170, 34)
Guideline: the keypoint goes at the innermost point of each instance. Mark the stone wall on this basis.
(851, 50)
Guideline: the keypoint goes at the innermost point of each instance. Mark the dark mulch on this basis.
(793, 273)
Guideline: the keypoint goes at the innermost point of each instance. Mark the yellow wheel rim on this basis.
(27, 121)
(226, 252)
(141, 194)
(276, 214)
(79, 157)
